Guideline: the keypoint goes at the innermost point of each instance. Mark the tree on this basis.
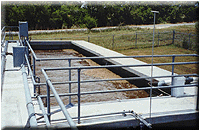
(90, 22)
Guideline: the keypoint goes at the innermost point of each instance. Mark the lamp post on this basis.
(152, 60)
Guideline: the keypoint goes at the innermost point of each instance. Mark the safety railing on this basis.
(4, 46)
(50, 85)
(8, 30)
(47, 115)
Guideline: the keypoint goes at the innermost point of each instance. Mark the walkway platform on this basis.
(95, 115)
(13, 103)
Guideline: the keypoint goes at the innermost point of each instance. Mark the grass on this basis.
(125, 43)
(164, 50)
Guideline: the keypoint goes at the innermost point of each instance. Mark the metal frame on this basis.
(29, 103)
(108, 91)
(50, 84)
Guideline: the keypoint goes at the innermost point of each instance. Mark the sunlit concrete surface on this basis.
(13, 103)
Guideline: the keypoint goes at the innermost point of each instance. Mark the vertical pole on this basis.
(33, 66)
(158, 38)
(69, 80)
(189, 41)
(113, 42)
(136, 40)
(173, 37)
(79, 111)
(173, 59)
(48, 101)
(38, 85)
(34, 73)
(152, 63)
(88, 38)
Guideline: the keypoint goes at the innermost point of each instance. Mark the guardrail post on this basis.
(69, 80)
(88, 38)
(48, 101)
(113, 42)
(173, 59)
(197, 105)
(189, 41)
(38, 81)
(135, 39)
(9, 33)
(173, 37)
(158, 38)
(79, 84)
(34, 74)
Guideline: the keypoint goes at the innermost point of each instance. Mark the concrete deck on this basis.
(162, 107)
(143, 71)
(13, 102)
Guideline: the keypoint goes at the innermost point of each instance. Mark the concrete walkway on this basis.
(13, 103)
(141, 71)
(166, 108)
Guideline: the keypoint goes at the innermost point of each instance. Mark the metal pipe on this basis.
(43, 111)
(69, 80)
(79, 96)
(34, 55)
(48, 102)
(62, 106)
(111, 57)
(115, 79)
(152, 59)
(30, 71)
(29, 103)
(122, 90)
(34, 76)
(3, 64)
(173, 60)
(115, 66)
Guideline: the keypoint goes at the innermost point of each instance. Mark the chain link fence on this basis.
(140, 40)
(137, 40)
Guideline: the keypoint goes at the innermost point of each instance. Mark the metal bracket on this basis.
(139, 117)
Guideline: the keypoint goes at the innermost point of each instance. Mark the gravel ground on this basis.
(60, 76)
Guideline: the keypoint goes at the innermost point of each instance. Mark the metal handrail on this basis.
(43, 112)
(118, 79)
(117, 66)
(4, 33)
(114, 57)
(97, 92)
(29, 103)
(63, 108)
(120, 90)
(3, 63)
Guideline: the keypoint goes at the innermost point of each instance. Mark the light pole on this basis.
(152, 60)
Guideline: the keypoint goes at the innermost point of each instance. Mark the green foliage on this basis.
(185, 43)
(90, 22)
(47, 15)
